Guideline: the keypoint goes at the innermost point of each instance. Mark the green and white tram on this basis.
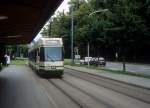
(46, 57)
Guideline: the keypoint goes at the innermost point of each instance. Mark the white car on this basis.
(86, 60)
(81, 61)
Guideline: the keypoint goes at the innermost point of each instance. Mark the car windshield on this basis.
(51, 54)
(101, 58)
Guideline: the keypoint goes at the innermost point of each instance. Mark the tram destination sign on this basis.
(53, 42)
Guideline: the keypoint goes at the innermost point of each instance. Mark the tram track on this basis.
(77, 95)
(70, 97)
(122, 88)
(94, 97)
(58, 98)
(81, 90)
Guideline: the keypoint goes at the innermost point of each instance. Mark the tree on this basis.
(123, 29)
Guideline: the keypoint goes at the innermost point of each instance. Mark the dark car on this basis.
(101, 61)
(94, 61)
(98, 61)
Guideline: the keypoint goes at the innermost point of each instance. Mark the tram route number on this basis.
(53, 67)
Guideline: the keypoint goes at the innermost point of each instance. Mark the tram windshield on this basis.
(51, 54)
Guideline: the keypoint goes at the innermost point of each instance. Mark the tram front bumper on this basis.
(58, 71)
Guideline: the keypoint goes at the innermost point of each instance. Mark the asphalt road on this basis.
(138, 68)
(20, 87)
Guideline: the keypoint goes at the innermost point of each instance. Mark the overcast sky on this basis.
(63, 6)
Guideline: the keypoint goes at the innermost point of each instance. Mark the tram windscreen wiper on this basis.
(50, 58)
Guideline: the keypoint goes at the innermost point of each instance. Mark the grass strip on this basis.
(113, 71)
(18, 62)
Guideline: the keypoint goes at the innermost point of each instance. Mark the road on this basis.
(138, 68)
(20, 87)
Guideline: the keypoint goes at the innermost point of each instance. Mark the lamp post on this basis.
(50, 28)
(72, 35)
(88, 51)
(88, 45)
(98, 11)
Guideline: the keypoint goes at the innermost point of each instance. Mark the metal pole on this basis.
(17, 50)
(101, 10)
(50, 27)
(88, 51)
(72, 30)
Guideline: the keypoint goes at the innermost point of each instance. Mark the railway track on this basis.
(83, 90)
(135, 92)
(92, 91)
(77, 95)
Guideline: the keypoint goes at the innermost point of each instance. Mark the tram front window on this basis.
(51, 54)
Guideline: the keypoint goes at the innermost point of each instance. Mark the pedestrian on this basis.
(116, 55)
(5, 59)
(8, 60)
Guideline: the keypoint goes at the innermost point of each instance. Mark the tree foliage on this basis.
(124, 28)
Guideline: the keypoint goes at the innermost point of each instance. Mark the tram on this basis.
(46, 57)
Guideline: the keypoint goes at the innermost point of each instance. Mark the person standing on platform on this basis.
(8, 60)
(5, 59)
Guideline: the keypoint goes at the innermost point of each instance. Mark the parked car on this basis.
(98, 61)
(101, 61)
(85, 60)
(94, 61)
(81, 61)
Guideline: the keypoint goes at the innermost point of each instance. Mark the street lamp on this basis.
(50, 29)
(88, 45)
(101, 10)
(72, 35)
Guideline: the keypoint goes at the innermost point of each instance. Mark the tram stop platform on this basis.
(20, 87)
(132, 80)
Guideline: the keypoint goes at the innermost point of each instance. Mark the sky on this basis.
(64, 6)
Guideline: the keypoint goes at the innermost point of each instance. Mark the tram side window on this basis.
(42, 54)
(32, 55)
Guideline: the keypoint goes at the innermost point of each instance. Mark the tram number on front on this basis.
(53, 67)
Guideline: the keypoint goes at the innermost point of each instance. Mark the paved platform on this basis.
(19, 88)
(134, 80)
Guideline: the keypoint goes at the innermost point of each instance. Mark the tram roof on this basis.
(21, 20)
(46, 42)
